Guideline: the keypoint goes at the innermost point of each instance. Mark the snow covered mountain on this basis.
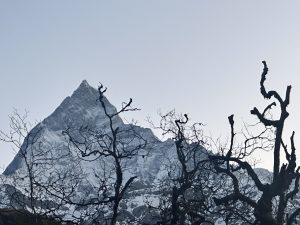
(81, 109)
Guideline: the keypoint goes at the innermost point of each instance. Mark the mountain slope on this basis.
(81, 109)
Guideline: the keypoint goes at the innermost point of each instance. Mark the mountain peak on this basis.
(85, 89)
(81, 108)
(84, 84)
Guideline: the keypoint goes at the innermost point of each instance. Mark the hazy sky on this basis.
(199, 57)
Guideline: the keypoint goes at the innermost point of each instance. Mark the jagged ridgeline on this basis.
(57, 174)
(82, 109)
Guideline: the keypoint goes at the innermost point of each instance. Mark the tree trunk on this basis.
(263, 211)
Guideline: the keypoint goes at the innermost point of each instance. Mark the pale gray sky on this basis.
(200, 57)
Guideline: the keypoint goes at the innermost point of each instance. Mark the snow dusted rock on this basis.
(83, 109)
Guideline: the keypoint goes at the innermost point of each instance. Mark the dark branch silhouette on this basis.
(285, 183)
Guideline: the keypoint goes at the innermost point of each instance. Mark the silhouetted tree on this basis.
(274, 204)
(27, 188)
(116, 144)
(186, 188)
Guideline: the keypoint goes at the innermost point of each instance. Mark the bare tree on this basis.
(27, 187)
(184, 191)
(115, 146)
(274, 204)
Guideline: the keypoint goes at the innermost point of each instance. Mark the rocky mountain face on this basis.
(81, 110)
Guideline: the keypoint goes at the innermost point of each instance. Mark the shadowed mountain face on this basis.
(15, 217)
(82, 108)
